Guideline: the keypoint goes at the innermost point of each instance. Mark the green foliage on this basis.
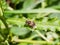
(19, 31)
(32, 3)
(43, 14)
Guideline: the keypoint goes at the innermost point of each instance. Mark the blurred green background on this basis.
(29, 22)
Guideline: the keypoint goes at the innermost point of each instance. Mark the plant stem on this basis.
(30, 38)
(2, 17)
(43, 5)
(42, 35)
(4, 22)
(33, 41)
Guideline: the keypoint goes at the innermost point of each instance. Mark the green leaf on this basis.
(19, 30)
(29, 4)
(16, 1)
(56, 6)
(45, 25)
(55, 15)
(16, 21)
(1, 37)
(3, 4)
(46, 10)
(32, 16)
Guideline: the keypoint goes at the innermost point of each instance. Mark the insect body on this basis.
(30, 23)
